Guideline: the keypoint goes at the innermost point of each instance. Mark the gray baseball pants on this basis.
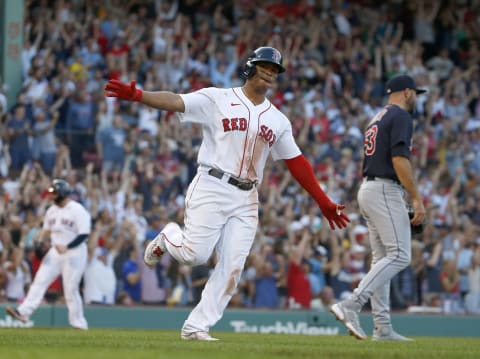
(383, 206)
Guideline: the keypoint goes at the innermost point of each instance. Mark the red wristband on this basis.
(138, 95)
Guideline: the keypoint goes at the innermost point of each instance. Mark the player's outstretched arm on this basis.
(302, 171)
(162, 100)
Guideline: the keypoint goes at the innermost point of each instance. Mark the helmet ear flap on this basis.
(250, 70)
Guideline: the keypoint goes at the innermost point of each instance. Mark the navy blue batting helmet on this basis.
(60, 188)
(263, 54)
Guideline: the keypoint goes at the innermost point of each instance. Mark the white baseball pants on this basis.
(383, 206)
(71, 265)
(221, 216)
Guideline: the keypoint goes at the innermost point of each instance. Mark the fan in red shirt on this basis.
(299, 294)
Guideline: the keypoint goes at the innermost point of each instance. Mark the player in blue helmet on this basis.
(67, 224)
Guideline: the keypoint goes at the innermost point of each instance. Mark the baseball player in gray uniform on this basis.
(387, 175)
(241, 128)
(68, 225)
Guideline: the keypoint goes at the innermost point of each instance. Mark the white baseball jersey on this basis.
(66, 223)
(237, 135)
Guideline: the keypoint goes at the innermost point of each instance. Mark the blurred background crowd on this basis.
(129, 164)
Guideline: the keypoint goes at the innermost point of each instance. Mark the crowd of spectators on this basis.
(129, 164)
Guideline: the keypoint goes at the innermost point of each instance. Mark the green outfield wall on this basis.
(251, 321)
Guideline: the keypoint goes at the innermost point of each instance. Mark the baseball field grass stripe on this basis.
(135, 344)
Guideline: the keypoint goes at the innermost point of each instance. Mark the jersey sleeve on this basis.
(285, 146)
(199, 106)
(401, 134)
(83, 220)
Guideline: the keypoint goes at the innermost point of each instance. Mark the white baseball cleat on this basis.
(154, 251)
(79, 328)
(350, 319)
(198, 336)
(16, 314)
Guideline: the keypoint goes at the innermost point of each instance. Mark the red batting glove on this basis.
(115, 88)
(333, 213)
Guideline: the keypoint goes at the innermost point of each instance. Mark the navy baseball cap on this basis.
(402, 82)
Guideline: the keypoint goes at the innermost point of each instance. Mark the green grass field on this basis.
(110, 343)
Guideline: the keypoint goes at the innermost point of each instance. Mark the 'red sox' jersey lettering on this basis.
(234, 124)
(63, 221)
(238, 136)
(267, 135)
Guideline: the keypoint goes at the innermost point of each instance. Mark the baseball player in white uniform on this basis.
(68, 225)
(241, 127)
